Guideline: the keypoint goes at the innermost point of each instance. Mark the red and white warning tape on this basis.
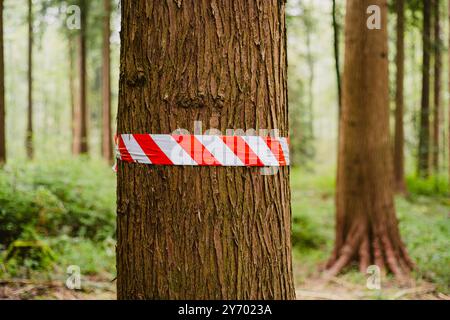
(203, 150)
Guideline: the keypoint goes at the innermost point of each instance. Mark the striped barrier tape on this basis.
(203, 150)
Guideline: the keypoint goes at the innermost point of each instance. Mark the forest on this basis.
(225, 149)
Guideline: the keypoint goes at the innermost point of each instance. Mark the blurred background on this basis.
(57, 201)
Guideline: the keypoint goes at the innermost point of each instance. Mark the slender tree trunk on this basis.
(399, 140)
(106, 85)
(73, 101)
(367, 228)
(336, 31)
(2, 93)
(449, 91)
(29, 134)
(81, 146)
(203, 232)
(437, 86)
(424, 130)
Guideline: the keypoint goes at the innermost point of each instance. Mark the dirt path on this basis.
(341, 289)
(92, 289)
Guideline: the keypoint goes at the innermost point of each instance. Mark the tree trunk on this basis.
(424, 130)
(81, 146)
(2, 93)
(336, 31)
(399, 140)
(29, 134)
(449, 91)
(437, 86)
(203, 232)
(366, 225)
(106, 85)
(73, 101)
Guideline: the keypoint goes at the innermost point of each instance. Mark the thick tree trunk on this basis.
(2, 93)
(336, 33)
(437, 86)
(106, 85)
(29, 133)
(399, 139)
(367, 228)
(203, 232)
(81, 140)
(424, 130)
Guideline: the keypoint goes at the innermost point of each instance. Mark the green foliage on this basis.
(425, 228)
(423, 220)
(70, 204)
(30, 255)
(435, 186)
(93, 257)
(306, 233)
(73, 197)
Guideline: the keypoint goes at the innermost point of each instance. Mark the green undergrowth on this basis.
(423, 218)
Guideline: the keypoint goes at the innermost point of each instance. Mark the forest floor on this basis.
(424, 219)
(344, 287)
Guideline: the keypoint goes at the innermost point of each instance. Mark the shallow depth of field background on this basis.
(58, 210)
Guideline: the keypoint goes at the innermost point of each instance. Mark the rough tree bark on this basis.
(81, 138)
(203, 232)
(366, 225)
(29, 133)
(399, 139)
(106, 85)
(437, 87)
(2, 93)
(424, 129)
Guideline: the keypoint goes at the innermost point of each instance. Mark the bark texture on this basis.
(106, 85)
(424, 130)
(81, 135)
(203, 232)
(29, 133)
(2, 93)
(399, 139)
(366, 225)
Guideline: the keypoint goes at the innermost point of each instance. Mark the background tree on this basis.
(2, 93)
(81, 112)
(301, 20)
(72, 91)
(29, 134)
(203, 232)
(366, 225)
(106, 84)
(336, 44)
(424, 129)
(399, 140)
(437, 86)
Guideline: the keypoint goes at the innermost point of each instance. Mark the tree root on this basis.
(381, 246)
